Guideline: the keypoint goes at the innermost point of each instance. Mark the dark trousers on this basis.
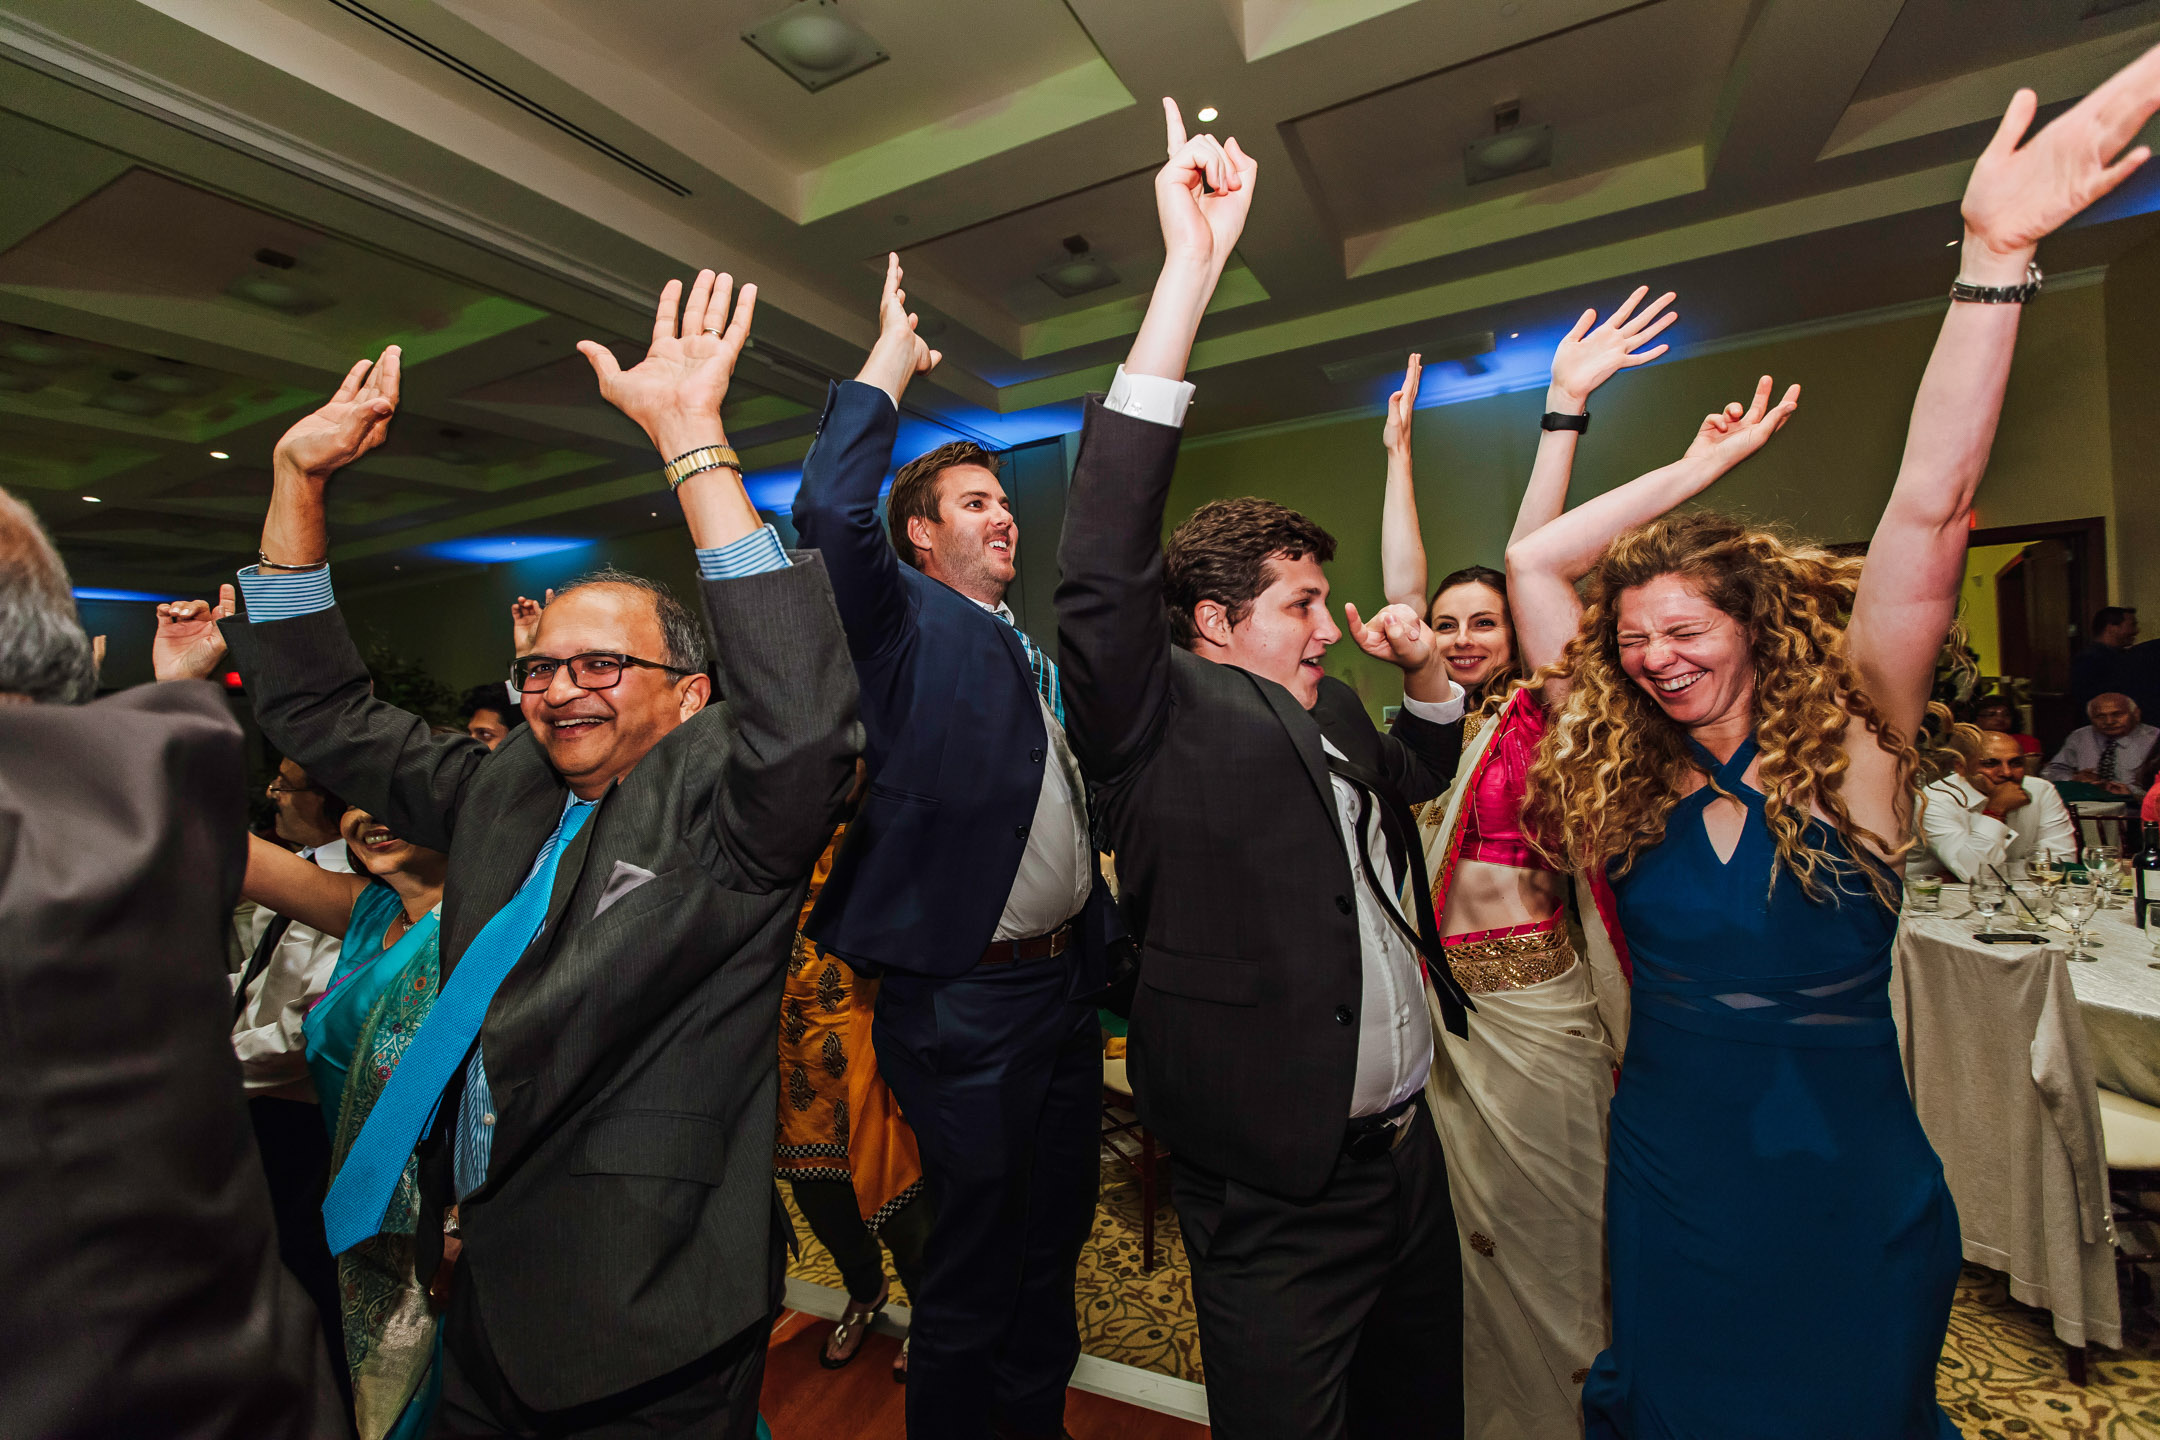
(1000, 1075)
(1339, 1316)
(295, 1150)
(836, 1219)
(714, 1397)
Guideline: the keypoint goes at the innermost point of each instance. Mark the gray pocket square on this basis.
(621, 881)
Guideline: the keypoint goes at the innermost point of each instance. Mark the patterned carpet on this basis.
(2001, 1376)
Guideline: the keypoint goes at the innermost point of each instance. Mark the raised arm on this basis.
(1113, 634)
(2017, 195)
(1543, 566)
(836, 505)
(284, 884)
(1402, 544)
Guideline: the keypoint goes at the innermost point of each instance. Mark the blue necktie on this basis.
(1046, 674)
(360, 1195)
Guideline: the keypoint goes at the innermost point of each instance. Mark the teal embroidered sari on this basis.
(355, 1036)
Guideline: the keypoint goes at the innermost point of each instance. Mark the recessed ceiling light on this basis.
(93, 499)
(815, 44)
(1207, 113)
(1949, 243)
(1511, 152)
(1079, 272)
(219, 455)
(1514, 334)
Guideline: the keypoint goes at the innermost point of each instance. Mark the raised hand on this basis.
(354, 421)
(1395, 433)
(188, 645)
(525, 622)
(1730, 435)
(2018, 194)
(1202, 225)
(1587, 357)
(1396, 634)
(900, 354)
(674, 393)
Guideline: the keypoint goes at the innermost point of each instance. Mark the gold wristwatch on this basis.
(696, 462)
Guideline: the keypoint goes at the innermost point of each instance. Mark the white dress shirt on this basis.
(268, 1037)
(1395, 1045)
(1961, 837)
(1058, 866)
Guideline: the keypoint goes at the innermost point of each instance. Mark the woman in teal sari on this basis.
(383, 987)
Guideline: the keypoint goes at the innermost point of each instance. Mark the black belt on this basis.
(1369, 1137)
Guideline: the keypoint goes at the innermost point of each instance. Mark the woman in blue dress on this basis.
(1732, 741)
(387, 975)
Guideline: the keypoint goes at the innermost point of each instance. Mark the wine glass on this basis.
(2078, 903)
(2046, 865)
(1986, 894)
(2104, 864)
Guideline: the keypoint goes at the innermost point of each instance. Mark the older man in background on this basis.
(2111, 751)
(1989, 813)
(137, 1254)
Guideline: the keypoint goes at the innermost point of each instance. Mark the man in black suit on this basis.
(627, 868)
(968, 881)
(1280, 1039)
(137, 1252)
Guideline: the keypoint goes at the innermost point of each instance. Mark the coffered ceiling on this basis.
(208, 208)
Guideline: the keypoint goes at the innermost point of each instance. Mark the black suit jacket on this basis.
(1231, 862)
(954, 736)
(143, 1291)
(623, 1229)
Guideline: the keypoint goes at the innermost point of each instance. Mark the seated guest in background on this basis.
(2110, 751)
(138, 1252)
(1999, 714)
(847, 1154)
(1280, 1041)
(968, 882)
(592, 1094)
(1988, 813)
(2098, 668)
(288, 967)
(488, 716)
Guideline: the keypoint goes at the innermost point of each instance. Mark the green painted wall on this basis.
(1827, 474)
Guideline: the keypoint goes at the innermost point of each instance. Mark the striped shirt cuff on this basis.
(754, 554)
(283, 596)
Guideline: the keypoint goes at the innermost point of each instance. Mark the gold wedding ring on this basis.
(708, 330)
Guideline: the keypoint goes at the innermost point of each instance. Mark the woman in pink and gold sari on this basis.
(1520, 1103)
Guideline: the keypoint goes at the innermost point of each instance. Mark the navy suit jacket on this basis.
(954, 736)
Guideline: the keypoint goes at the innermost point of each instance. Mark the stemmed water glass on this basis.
(2104, 864)
(1986, 894)
(2078, 903)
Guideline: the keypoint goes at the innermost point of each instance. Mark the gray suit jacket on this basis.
(143, 1292)
(624, 1226)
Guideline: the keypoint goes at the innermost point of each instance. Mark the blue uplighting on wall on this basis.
(86, 592)
(495, 549)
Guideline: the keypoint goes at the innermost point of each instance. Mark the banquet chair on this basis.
(2130, 1130)
(1144, 1156)
(2113, 830)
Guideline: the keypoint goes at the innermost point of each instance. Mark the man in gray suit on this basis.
(593, 1096)
(137, 1254)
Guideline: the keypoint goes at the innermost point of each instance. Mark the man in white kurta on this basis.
(1989, 815)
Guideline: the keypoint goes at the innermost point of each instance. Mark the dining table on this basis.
(2117, 986)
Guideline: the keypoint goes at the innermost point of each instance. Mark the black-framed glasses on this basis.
(593, 670)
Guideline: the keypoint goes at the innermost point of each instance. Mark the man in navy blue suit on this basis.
(968, 882)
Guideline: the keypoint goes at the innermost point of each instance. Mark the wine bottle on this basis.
(2148, 878)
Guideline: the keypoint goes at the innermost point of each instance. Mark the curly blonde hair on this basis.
(1611, 765)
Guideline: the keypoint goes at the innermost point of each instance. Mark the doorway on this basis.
(2027, 594)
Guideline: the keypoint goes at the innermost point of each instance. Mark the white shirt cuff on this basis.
(1152, 398)
(1438, 712)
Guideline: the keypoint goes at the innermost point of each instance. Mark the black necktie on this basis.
(1400, 832)
(260, 960)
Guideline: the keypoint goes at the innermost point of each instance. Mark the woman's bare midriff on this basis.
(1495, 897)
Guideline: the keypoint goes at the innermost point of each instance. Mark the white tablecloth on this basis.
(2117, 994)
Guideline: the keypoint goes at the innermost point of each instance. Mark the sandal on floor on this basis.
(853, 1327)
(899, 1365)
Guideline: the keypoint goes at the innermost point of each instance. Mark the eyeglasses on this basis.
(594, 670)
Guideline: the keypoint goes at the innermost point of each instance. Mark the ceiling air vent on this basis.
(815, 44)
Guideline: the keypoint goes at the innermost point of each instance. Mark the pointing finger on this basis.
(1175, 124)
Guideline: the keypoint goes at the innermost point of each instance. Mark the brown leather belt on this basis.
(1038, 947)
